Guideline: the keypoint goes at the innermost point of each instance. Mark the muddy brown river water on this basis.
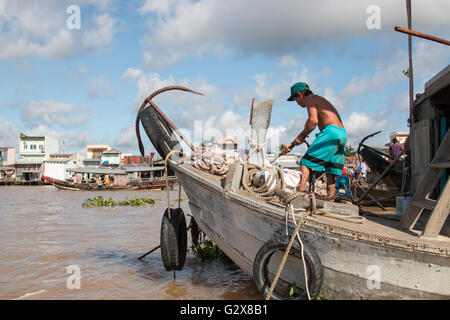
(46, 238)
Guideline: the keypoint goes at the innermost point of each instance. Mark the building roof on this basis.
(59, 160)
(400, 132)
(98, 170)
(23, 136)
(98, 146)
(142, 168)
(112, 151)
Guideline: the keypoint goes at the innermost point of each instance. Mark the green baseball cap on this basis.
(299, 86)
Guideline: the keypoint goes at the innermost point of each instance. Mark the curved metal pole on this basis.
(147, 101)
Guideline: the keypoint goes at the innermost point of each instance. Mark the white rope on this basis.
(291, 207)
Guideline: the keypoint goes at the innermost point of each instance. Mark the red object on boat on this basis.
(48, 179)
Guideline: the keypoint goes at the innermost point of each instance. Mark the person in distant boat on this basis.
(395, 148)
(327, 152)
(361, 172)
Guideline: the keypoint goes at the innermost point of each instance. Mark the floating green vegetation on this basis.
(134, 201)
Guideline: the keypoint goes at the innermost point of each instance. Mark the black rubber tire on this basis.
(173, 239)
(313, 264)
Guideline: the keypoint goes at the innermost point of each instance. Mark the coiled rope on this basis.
(213, 161)
(267, 190)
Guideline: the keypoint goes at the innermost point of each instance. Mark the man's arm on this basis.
(310, 124)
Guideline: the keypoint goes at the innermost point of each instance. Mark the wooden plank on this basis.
(440, 165)
(420, 143)
(439, 214)
(431, 178)
(425, 204)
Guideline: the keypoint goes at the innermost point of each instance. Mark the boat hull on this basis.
(353, 268)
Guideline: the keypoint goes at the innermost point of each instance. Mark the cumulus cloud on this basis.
(288, 61)
(101, 34)
(9, 134)
(51, 113)
(428, 59)
(184, 27)
(146, 83)
(360, 124)
(126, 139)
(38, 29)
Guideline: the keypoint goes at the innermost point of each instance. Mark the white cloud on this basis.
(101, 35)
(9, 134)
(428, 59)
(193, 28)
(126, 139)
(288, 61)
(360, 124)
(38, 29)
(69, 141)
(146, 83)
(50, 113)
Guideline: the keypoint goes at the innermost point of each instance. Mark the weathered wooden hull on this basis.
(352, 261)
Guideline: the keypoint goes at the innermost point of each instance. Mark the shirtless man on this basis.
(328, 149)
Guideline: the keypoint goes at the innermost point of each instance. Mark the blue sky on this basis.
(85, 86)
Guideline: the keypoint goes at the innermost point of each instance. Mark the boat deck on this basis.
(373, 229)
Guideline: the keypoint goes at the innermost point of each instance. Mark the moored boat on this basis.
(373, 259)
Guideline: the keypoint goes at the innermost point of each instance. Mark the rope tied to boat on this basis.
(289, 207)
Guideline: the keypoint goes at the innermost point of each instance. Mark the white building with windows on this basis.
(33, 151)
(37, 147)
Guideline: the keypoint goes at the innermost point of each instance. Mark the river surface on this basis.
(47, 239)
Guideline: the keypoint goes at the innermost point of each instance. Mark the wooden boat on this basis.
(153, 184)
(66, 187)
(72, 186)
(60, 184)
(409, 267)
(376, 259)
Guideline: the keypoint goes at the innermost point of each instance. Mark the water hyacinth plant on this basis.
(134, 201)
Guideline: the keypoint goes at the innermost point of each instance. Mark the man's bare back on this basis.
(326, 113)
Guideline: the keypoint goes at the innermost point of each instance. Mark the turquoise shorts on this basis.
(327, 151)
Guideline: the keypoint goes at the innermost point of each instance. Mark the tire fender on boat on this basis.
(173, 239)
(280, 243)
